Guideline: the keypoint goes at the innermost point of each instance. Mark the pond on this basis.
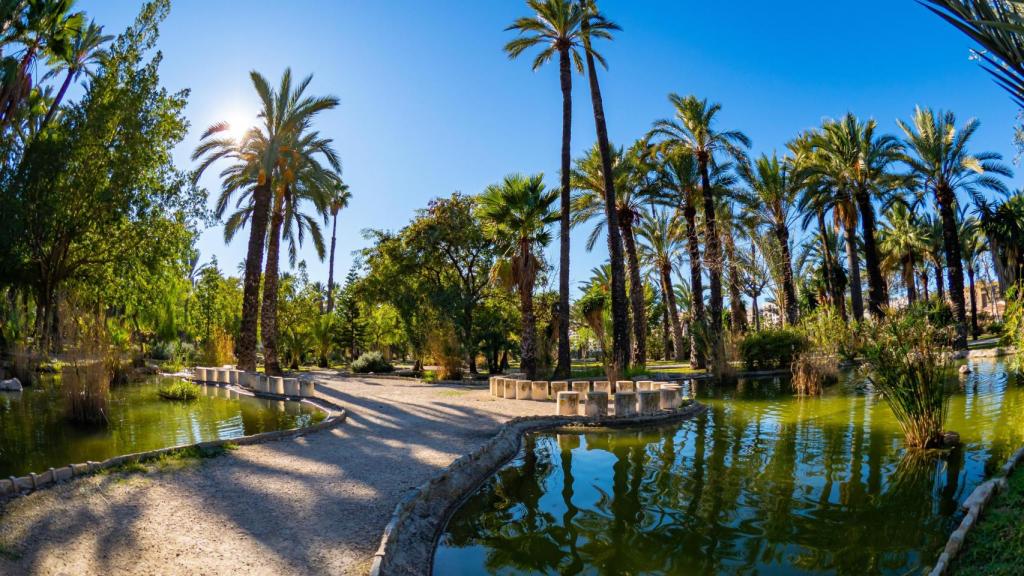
(762, 483)
(34, 434)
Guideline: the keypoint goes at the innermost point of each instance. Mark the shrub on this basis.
(86, 387)
(180, 390)
(771, 348)
(908, 365)
(1012, 329)
(371, 362)
(218, 349)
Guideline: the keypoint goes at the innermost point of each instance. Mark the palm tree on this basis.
(770, 200)
(517, 213)
(85, 51)
(322, 333)
(339, 202)
(902, 240)
(1003, 225)
(555, 27)
(594, 26)
(862, 159)
(941, 164)
(755, 278)
(252, 176)
(972, 246)
(301, 177)
(727, 225)
(662, 248)
(693, 131)
(631, 191)
(934, 250)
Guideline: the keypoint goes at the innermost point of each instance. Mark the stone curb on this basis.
(408, 543)
(975, 505)
(12, 487)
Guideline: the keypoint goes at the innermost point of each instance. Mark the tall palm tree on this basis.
(594, 26)
(972, 246)
(631, 191)
(863, 160)
(339, 202)
(252, 176)
(555, 28)
(902, 239)
(771, 198)
(727, 225)
(693, 131)
(941, 164)
(85, 51)
(934, 250)
(301, 176)
(662, 247)
(517, 213)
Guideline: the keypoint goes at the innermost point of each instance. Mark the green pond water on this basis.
(762, 483)
(34, 434)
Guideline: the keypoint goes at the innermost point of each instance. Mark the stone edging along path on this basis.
(974, 505)
(12, 487)
(407, 546)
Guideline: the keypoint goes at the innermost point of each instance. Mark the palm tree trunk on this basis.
(528, 352)
(831, 263)
(924, 282)
(268, 316)
(788, 289)
(713, 262)
(908, 279)
(57, 100)
(856, 299)
(620, 307)
(253, 273)
(757, 315)
(330, 266)
(877, 298)
(673, 311)
(636, 290)
(697, 357)
(940, 288)
(563, 365)
(953, 262)
(666, 334)
(737, 309)
(975, 332)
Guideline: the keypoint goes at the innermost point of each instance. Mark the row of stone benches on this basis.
(276, 385)
(630, 398)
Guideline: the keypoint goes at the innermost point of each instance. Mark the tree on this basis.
(971, 248)
(517, 213)
(351, 324)
(940, 162)
(555, 28)
(662, 248)
(630, 194)
(693, 131)
(85, 50)
(770, 199)
(339, 201)
(903, 240)
(595, 27)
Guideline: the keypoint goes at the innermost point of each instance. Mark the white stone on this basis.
(649, 402)
(625, 404)
(539, 390)
(596, 404)
(625, 386)
(12, 385)
(568, 403)
(523, 389)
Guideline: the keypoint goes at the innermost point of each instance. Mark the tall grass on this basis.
(909, 365)
(86, 388)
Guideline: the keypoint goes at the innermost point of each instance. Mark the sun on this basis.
(238, 125)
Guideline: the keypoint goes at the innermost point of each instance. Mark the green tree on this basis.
(939, 160)
(556, 29)
(662, 247)
(517, 214)
(85, 51)
(339, 201)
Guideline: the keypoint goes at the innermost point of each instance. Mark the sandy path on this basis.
(311, 505)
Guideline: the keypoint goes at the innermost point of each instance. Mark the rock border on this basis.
(408, 543)
(975, 505)
(13, 487)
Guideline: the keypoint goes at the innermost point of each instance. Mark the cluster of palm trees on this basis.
(273, 172)
(687, 191)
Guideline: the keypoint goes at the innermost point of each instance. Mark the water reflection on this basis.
(762, 483)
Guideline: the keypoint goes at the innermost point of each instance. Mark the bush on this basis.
(218, 349)
(86, 387)
(908, 365)
(371, 362)
(180, 390)
(772, 348)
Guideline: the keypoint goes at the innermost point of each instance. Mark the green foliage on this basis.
(371, 362)
(180, 390)
(908, 365)
(772, 348)
(1013, 320)
(218, 349)
(829, 335)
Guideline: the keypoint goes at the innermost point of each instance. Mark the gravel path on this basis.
(311, 505)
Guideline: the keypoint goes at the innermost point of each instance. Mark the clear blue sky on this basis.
(431, 105)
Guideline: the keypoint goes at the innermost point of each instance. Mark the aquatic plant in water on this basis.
(86, 387)
(180, 390)
(909, 364)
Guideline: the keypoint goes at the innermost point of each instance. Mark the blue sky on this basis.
(431, 105)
